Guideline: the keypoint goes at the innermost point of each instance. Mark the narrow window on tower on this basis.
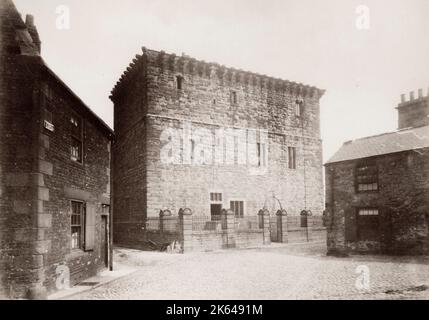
(192, 151)
(292, 157)
(234, 99)
(299, 108)
(235, 150)
(179, 82)
(261, 149)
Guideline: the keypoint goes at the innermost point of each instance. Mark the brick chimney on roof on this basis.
(414, 112)
(29, 22)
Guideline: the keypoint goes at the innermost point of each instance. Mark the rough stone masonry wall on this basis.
(174, 186)
(130, 165)
(205, 101)
(68, 180)
(20, 241)
(149, 103)
(35, 168)
(403, 201)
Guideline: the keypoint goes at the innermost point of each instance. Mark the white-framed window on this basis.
(77, 224)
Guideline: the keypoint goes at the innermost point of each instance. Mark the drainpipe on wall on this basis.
(332, 204)
(111, 205)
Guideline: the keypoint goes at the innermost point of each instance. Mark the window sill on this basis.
(368, 192)
(75, 254)
(77, 164)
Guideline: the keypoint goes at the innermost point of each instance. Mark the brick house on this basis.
(377, 188)
(192, 134)
(54, 172)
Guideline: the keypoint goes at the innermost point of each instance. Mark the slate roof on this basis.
(399, 141)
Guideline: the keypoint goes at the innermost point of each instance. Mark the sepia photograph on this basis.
(227, 152)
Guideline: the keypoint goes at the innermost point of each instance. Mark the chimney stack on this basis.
(29, 22)
(415, 112)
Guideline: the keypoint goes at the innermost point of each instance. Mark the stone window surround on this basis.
(82, 224)
(232, 199)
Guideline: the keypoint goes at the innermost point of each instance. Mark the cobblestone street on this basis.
(276, 272)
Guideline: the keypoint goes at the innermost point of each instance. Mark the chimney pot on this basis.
(420, 93)
(29, 20)
(403, 98)
(412, 96)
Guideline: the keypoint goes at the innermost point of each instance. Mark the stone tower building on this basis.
(203, 136)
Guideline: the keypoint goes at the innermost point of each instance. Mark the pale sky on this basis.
(311, 41)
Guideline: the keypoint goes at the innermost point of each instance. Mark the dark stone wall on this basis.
(36, 170)
(402, 200)
(20, 265)
(69, 180)
(414, 113)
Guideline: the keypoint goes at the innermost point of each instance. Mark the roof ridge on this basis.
(44, 64)
(386, 133)
(413, 139)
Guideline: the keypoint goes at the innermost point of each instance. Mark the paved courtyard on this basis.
(275, 272)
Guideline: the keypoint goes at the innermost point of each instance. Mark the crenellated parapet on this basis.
(188, 66)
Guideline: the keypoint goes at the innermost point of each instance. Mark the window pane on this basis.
(76, 150)
(76, 224)
(366, 177)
